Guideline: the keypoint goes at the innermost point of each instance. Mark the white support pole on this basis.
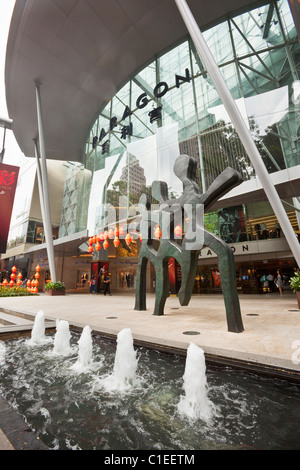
(240, 126)
(44, 188)
(39, 177)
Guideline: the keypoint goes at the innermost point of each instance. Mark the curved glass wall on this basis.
(171, 107)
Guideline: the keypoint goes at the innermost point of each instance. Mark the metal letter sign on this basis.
(8, 183)
(159, 91)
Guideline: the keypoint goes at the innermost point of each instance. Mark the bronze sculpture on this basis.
(186, 251)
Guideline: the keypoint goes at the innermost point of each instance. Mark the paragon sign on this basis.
(154, 115)
(8, 183)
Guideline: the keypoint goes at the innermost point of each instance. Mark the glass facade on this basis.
(171, 107)
(76, 189)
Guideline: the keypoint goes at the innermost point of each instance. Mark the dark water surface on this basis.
(70, 409)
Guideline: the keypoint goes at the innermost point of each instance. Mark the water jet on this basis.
(71, 411)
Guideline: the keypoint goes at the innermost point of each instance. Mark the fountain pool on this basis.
(65, 399)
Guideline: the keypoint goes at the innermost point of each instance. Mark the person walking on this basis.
(279, 282)
(107, 285)
(93, 286)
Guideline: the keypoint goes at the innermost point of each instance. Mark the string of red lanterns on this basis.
(95, 240)
(177, 232)
(32, 286)
(117, 233)
(117, 240)
(15, 279)
(107, 235)
(13, 276)
(19, 281)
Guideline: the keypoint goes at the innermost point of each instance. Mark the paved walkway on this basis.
(271, 335)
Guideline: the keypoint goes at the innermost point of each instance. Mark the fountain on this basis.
(110, 406)
(38, 330)
(62, 338)
(195, 404)
(85, 352)
(125, 365)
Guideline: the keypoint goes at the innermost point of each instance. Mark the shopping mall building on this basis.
(104, 96)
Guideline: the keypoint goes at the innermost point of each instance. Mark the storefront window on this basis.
(36, 234)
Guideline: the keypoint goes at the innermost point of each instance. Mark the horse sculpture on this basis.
(190, 204)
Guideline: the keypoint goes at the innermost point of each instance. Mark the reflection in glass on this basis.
(258, 54)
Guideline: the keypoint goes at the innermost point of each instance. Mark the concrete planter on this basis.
(55, 292)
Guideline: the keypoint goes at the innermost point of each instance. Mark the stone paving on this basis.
(271, 323)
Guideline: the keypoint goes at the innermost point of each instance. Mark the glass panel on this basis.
(158, 117)
(17, 235)
(31, 232)
(140, 118)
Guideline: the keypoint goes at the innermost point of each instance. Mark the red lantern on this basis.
(11, 283)
(98, 246)
(19, 282)
(13, 276)
(37, 275)
(128, 239)
(157, 232)
(19, 276)
(14, 269)
(178, 231)
(90, 249)
(28, 283)
(5, 282)
(117, 232)
(101, 237)
(105, 244)
(116, 242)
(38, 268)
(91, 240)
(111, 233)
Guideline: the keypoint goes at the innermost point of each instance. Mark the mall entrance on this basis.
(99, 270)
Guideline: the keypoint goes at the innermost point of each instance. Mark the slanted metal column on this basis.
(240, 127)
(43, 187)
(39, 177)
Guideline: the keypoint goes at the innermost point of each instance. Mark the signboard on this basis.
(8, 183)
(275, 245)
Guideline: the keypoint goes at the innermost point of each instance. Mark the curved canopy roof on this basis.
(82, 51)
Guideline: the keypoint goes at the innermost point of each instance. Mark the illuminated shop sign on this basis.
(8, 183)
(154, 115)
